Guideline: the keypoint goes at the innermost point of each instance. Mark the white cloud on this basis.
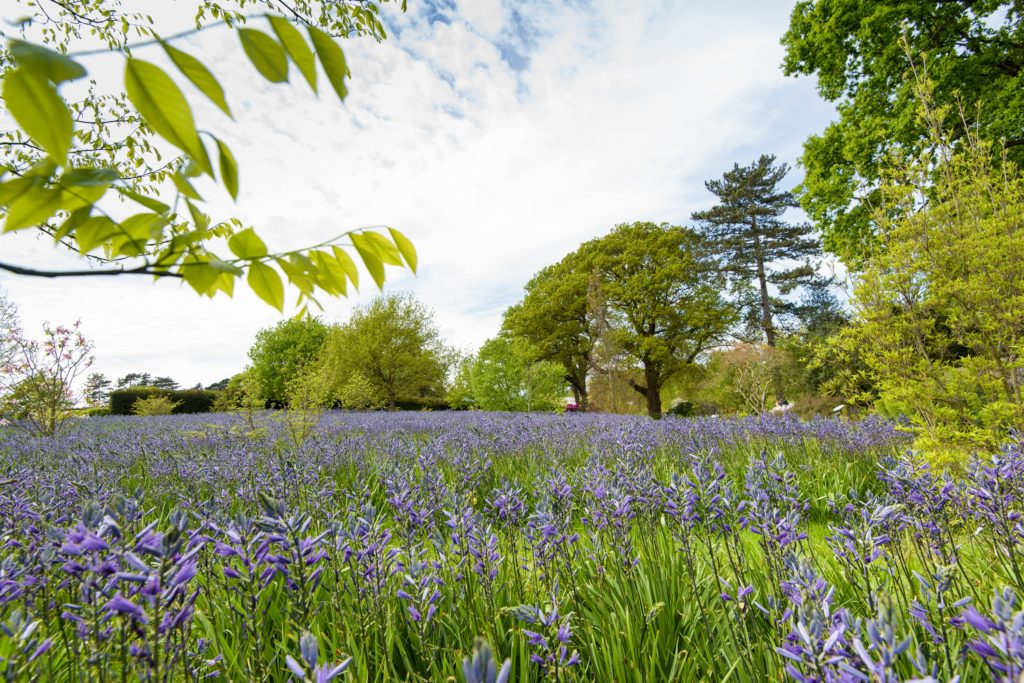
(497, 141)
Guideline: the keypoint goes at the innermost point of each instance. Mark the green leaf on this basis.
(31, 208)
(296, 47)
(406, 247)
(331, 58)
(71, 224)
(266, 283)
(386, 250)
(89, 177)
(228, 169)
(94, 232)
(296, 275)
(40, 111)
(371, 259)
(148, 202)
(348, 265)
(200, 275)
(196, 72)
(74, 197)
(51, 65)
(265, 53)
(247, 245)
(184, 186)
(331, 275)
(164, 107)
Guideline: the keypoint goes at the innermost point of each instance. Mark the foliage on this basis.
(359, 393)
(942, 329)
(858, 51)
(157, 404)
(743, 378)
(280, 354)
(662, 289)
(96, 390)
(756, 245)
(509, 374)
(164, 383)
(394, 343)
(73, 167)
(555, 317)
(37, 381)
(122, 401)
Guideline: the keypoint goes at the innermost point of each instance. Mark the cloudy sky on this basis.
(497, 134)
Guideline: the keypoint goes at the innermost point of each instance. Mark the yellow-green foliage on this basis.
(940, 307)
(154, 405)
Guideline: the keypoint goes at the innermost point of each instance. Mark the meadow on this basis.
(380, 546)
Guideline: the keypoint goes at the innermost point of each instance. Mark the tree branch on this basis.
(146, 269)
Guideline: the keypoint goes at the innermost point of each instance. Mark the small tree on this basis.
(394, 343)
(37, 382)
(97, 389)
(153, 406)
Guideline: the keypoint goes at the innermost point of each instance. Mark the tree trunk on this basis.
(653, 393)
(767, 324)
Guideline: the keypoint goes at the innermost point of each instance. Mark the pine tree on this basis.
(758, 247)
(754, 241)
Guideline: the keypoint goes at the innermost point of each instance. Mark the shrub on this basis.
(154, 405)
(97, 412)
(122, 401)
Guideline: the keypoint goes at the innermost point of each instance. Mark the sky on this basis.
(496, 134)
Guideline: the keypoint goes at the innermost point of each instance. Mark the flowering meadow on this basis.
(379, 547)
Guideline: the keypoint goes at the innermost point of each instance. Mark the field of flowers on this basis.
(378, 547)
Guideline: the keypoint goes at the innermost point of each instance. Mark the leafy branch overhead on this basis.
(81, 201)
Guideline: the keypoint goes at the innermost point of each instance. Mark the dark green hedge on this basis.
(422, 403)
(188, 400)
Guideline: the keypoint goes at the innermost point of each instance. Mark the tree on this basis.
(509, 374)
(941, 329)
(281, 353)
(663, 289)
(8, 323)
(37, 385)
(554, 317)
(165, 383)
(394, 343)
(757, 245)
(72, 167)
(220, 385)
(135, 379)
(858, 50)
(97, 389)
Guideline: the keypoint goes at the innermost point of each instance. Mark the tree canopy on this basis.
(860, 52)
(664, 290)
(391, 345)
(281, 353)
(554, 317)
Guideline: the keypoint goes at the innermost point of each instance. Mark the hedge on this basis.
(189, 400)
(422, 403)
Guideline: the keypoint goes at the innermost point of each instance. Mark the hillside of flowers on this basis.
(381, 547)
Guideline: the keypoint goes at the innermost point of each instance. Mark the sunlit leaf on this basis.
(387, 251)
(40, 111)
(296, 47)
(247, 245)
(201, 77)
(406, 247)
(266, 54)
(164, 107)
(331, 58)
(45, 62)
(372, 261)
(348, 265)
(266, 283)
(228, 169)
